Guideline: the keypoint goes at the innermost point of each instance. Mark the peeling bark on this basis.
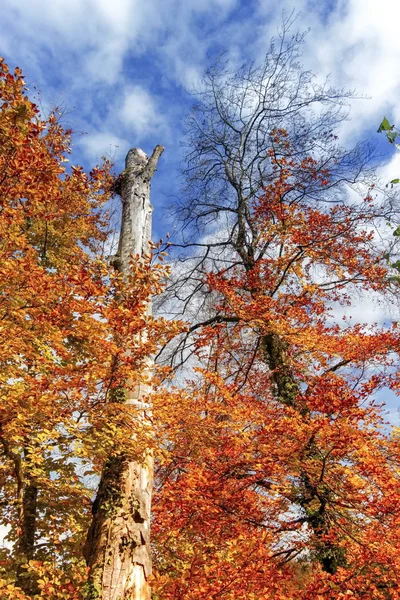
(117, 548)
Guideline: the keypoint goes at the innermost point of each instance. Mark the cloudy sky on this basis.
(121, 69)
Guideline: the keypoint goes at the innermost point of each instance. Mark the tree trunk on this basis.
(308, 494)
(25, 549)
(117, 548)
(27, 508)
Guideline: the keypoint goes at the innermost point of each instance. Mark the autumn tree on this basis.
(75, 333)
(49, 295)
(287, 482)
(276, 476)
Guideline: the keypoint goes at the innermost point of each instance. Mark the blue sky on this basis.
(121, 69)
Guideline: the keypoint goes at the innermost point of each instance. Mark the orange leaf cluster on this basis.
(281, 479)
(72, 332)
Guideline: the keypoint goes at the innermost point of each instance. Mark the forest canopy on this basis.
(242, 393)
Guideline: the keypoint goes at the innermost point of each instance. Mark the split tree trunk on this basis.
(117, 548)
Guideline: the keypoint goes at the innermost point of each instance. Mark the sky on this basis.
(122, 70)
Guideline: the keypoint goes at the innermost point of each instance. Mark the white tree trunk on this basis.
(117, 548)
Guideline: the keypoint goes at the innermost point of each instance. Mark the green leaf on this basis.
(385, 125)
(395, 180)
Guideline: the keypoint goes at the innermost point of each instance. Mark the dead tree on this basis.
(117, 548)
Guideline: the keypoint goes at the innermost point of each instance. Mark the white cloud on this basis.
(83, 55)
(85, 52)
(392, 169)
(100, 33)
(106, 144)
(357, 43)
(366, 309)
(104, 64)
(140, 112)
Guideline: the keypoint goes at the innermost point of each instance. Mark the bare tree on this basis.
(230, 135)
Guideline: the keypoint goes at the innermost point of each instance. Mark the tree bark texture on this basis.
(117, 548)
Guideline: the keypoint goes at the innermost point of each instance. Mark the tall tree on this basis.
(51, 341)
(285, 479)
(277, 239)
(118, 543)
(74, 332)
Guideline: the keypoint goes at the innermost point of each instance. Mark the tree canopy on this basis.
(276, 473)
(63, 310)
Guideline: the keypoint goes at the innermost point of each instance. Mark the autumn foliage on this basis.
(276, 473)
(63, 312)
(283, 481)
